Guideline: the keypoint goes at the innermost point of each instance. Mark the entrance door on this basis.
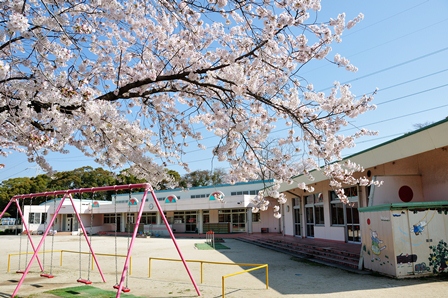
(129, 223)
(238, 220)
(309, 221)
(69, 223)
(297, 218)
(190, 222)
(297, 223)
(353, 230)
(119, 223)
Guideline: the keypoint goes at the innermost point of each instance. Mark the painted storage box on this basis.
(405, 239)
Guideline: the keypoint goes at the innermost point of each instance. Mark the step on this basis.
(323, 255)
(314, 249)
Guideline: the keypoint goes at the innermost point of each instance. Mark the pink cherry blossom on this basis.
(130, 82)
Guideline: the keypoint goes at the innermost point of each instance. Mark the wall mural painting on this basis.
(216, 195)
(419, 227)
(376, 247)
(438, 256)
(438, 259)
(377, 243)
(170, 199)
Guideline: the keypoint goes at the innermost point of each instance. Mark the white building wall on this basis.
(433, 167)
(389, 191)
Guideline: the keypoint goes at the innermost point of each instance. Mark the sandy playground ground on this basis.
(288, 277)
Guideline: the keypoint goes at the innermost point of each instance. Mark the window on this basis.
(309, 199)
(224, 217)
(256, 217)
(244, 192)
(319, 216)
(314, 210)
(109, 218)
(149, 218)
(297, 217)
(346, 214)
(37, 218)
(336, 209)
(351, 192)
(206, 216)
(237, 217)
(199, 196)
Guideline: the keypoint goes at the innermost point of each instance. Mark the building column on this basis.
(123, 222)
(249, 221)
(158, 218)
(199, 222)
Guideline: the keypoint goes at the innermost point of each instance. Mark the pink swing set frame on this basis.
(68, 194)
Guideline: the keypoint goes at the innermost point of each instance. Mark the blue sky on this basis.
(401, 47)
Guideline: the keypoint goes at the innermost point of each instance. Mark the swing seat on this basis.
(124, 289)
(20, 271)
(84, 281)
(47, 275)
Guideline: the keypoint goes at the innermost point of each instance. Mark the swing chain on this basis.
(21, 232)
(116, 249)
(91, 232)
(129, 231)
(52, 237)
(79, 235)
(28, 233)
(45, 228)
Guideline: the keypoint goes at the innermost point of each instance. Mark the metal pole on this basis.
(174, 241)
(28, 234)
(82, 190)
(65, 193)
(37, 249)
(131, 244)
(223, 286)
(86, 236)
(6, 208)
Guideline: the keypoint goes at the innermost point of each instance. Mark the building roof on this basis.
(421, 140)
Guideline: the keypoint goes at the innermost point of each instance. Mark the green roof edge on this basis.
(390, 141)
(399, 138)
(408, 206)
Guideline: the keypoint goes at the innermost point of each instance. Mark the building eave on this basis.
(422, 140)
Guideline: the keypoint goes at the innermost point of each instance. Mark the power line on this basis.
(402, 116)
(412, 94)
(15, 174)
(387, 18)
(390, 67)
(410, 81)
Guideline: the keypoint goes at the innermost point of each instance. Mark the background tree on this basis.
(172, 182)
(129, 82)
(83, 177)
(203, 178)
(421, 125)
(11, 187)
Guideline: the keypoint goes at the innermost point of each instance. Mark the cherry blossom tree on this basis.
(129, 82)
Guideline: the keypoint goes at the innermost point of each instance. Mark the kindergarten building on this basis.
(397, 223)
(402, 225)
(224, 209)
